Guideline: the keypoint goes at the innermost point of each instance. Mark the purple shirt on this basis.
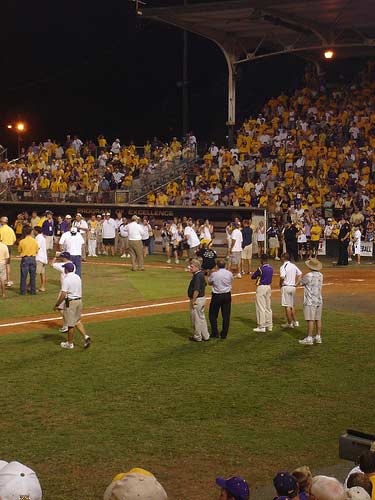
(48, 227)
(263, 275)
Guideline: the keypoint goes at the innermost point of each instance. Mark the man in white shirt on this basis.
(72, 242)
(124, 238)
(191, 238)
(135, 234)
(83, 229)
(235, 251)
(41, 257)
(71, 294)
(290, 277)
(109, 230)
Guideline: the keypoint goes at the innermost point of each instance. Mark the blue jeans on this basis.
(77, 260)
(28, 266)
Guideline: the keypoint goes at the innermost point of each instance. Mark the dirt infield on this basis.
(345, 289)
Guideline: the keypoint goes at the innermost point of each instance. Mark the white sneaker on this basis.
(239, 275)
(259, 329)
(123, 256)
(168, 261)
(287, 325)
(269, 328)
(318, 339)
(177, 261)
(349, 259)
(63, 329)
(307, 341)
(296, 323)
(67, 345)
(277, 258)
(10, 283)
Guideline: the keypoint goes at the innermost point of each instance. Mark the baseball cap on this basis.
(357, 493)
(18, 481)
(73, 230)
(137, 484)
(65, 255)
(236, 486)
(48, 212)
(69, 266)
(3, 463)
(78, 215)
(68, 216)
(285, 483)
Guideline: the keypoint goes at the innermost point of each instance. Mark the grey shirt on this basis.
(312, 284)
(221, 281)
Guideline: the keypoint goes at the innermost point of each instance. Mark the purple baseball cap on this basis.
(236, 486)
(69, 266)
(65, 255)
(285, 484)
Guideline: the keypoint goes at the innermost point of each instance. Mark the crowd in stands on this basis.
(19, 481)
(56, 171)
(309, 152)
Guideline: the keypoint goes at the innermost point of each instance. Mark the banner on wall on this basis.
(367, 248)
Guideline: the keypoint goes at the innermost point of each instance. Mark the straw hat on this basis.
(314, 264)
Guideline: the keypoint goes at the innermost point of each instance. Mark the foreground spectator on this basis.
(357, 493)
(233, 488)
(137, 484)
(286, 486)
(304, 478)
(327, 488)
(367, 465)
(18, 482)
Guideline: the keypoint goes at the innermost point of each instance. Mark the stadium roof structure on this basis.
(247, 30)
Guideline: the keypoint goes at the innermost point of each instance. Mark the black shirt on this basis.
(197, 283)
(247, 236)
(208, 256)
(344, 230)
(290, 234)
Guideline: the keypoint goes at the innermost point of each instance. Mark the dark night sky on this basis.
(92, 67)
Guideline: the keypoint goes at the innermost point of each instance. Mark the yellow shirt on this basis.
(7, 235)
(315, 232)
(28, 247)
(4, 253)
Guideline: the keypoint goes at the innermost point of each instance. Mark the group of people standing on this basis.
(221, 280)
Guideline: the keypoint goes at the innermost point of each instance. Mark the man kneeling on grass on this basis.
(71, 294)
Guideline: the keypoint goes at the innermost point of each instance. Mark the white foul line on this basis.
(125, 309)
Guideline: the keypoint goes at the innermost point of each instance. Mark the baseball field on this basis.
(143, 395)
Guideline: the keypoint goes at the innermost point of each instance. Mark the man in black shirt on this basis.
(208, 257)
(290, 238)
(196, 291)
(344, 236)
(247, 246)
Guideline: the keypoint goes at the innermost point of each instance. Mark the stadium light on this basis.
(9, 126)
(20, 127)
(328, 54)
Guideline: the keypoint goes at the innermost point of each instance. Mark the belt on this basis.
(24, 257)
(290, 285)
(71, 300)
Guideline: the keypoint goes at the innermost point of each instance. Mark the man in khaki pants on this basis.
(197, 298)
(263, 276)
(135, 234)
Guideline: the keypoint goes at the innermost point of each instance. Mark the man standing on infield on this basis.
(221, 282)
(197, 298)
(71, 294)
(313, 302)
(263, 276)
(290, 277)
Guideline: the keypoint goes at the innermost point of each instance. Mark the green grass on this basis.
(143, 395)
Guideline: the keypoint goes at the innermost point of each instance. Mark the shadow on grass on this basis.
(180, 331)
(55, 338)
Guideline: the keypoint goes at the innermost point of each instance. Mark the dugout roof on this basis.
(253, 29)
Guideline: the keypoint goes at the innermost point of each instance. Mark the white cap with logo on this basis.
(18, 482)
(137, 484)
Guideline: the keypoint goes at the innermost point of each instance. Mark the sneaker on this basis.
(123, 256)
(67, 345)
(168, 261)
(239, 275)
(259, 329)
(349, 259)
(307, 341)
(277, 258)
(318, 339)
(177, 261)
(63, 329)
(193, 339)
(9, 284)
(296, 323)
(287, 325)
(269, 328)
(87, 342)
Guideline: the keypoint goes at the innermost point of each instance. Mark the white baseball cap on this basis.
(3, 463)
(19, 482)
(137, 484)
(357, 493)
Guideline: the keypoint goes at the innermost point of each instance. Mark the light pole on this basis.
(19, 127)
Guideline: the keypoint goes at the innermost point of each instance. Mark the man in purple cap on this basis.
(71, 295)
(233, 488)
(286, 486)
